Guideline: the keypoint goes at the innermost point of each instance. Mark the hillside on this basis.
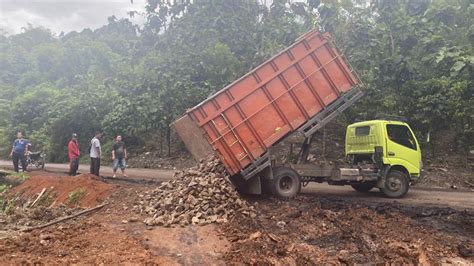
(415, 58)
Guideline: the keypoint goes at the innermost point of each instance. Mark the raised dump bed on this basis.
(299, 89)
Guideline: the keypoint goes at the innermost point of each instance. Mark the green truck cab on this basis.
(380, 153)
(392, 147)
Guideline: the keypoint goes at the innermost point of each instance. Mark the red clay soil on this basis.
(81, 242)
(115, 235)
(92, 191)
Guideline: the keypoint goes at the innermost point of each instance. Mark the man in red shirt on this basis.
(73, 151)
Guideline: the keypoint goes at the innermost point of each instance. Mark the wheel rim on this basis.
(286, 183)
(393, 184)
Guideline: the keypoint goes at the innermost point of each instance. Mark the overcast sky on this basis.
(63, 15)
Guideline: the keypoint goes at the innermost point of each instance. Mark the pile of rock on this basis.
(199, 195)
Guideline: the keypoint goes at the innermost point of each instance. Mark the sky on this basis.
(64, 15)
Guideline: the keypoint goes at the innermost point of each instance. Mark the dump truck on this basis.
(299, 90)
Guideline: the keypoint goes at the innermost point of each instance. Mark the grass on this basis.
(5, 205)
(3, 190)
(21, 176)
(46, 199)
(76, 195)
(8, 180)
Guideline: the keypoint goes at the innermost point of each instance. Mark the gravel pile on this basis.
(199, 195)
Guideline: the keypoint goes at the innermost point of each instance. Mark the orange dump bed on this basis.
(243, 120)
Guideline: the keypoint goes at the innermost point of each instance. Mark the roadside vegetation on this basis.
(7, 181)
(3, 190)
(75, 196)
(415, 57)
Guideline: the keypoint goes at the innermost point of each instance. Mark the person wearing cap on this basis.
(74, 153)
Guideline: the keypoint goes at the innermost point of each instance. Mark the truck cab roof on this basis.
(377, 121)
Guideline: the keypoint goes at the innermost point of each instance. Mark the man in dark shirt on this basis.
(19, 150)
(119, 154)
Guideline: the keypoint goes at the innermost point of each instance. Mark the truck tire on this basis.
(396, 184)
(286, 183)
(363, 187)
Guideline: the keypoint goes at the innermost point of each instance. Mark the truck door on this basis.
(402, 147)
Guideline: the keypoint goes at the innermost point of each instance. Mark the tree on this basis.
(415, 59)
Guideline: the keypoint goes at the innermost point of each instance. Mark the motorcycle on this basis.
(37, 159)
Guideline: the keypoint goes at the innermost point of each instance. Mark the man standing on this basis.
(19, 150)
(119, 154)
(74, 153)
(95, 153)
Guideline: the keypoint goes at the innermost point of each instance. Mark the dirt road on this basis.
(416, 196)
(156, 174)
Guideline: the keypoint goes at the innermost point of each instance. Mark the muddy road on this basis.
(320, 226)
(338, 230)
(325, 224)
(419, 196)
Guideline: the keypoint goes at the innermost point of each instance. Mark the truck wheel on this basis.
(396, 184)
(363, 187)
(286, 183)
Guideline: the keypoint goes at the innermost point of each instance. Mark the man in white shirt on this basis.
(95, 153)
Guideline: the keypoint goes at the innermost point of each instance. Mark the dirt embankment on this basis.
(84, 190)
(43, 197)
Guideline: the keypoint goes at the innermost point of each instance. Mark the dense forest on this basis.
(415, 57)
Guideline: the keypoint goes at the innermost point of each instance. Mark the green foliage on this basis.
(3, 190)
(415, 58)
(18, 177)
(32, 106)
(9, 207)
(76, 195)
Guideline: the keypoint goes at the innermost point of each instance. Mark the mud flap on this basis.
(252, 186)
(384, 173)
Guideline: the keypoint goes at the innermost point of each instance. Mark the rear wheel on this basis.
(363, 187)
(286, 183)
(396, 184)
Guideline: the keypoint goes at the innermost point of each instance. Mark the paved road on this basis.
(156, 174)
(416, 195)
